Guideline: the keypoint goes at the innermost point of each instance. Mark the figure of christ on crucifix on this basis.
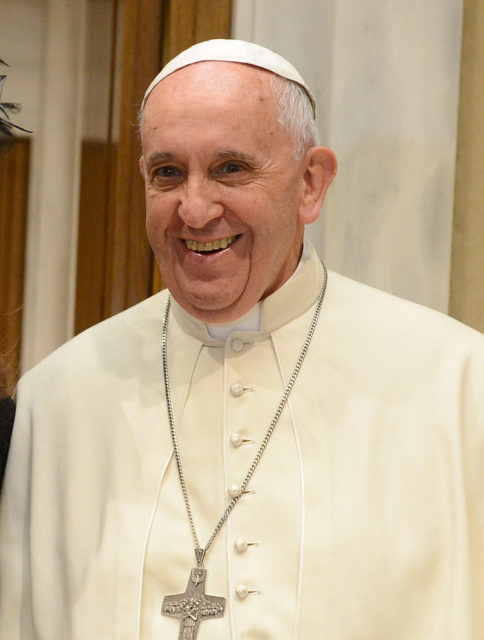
(193, 606)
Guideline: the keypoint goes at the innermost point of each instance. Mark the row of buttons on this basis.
(242, 591)
(236, 439)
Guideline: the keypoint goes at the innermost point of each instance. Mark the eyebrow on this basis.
(159, 156)
(232, 154)
(226, 154)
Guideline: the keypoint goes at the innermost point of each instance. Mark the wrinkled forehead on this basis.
(235, 51)
(209, 81)
(236, 96)
(215, 106)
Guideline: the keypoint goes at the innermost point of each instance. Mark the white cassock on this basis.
(365, 517)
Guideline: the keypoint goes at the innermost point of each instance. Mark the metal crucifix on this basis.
(193, 606)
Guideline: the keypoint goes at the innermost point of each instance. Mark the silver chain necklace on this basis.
(193, 606)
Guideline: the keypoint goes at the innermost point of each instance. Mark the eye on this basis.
(166, 176)
(231, 167)
(167, 172)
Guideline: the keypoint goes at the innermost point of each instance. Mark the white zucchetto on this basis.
(232, 51)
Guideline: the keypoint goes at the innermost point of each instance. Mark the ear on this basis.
(142, 167)
(320, 170)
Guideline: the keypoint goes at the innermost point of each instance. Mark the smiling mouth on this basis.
(205, 247)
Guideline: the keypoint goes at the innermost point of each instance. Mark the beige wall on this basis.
(386, 78)
(467, 275)
(54, 185)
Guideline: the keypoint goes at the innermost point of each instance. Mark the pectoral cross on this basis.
(193, 606)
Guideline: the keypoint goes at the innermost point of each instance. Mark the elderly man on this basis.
(270, 452)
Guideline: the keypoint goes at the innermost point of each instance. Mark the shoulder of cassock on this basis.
(121, 348)
(359, 326)
(378, 342)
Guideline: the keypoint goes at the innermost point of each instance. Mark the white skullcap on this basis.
(232, 51)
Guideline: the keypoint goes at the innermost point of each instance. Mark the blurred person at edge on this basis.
(7, 414)
(7, 406)
(172, 448)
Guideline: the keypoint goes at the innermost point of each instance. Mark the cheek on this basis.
(157, 216)
(151, 224)
(156, 233)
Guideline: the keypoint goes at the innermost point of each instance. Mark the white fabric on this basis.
(232, 51)
(380, 455)
(248, 322)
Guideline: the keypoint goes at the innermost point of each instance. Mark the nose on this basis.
(198, 204)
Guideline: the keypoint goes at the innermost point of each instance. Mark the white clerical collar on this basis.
(251, 320)
(248, 322)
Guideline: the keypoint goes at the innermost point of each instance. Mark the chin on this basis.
(215, 314)
(209, 303)
(215, 304)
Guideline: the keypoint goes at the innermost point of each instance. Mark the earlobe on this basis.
(320, 170)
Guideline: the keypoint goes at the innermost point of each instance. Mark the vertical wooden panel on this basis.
(186, 22)
(129, 262)
(98, 157)
(467, 272)
(179, 18)
(14, 170)
(91, 256)
(213, 20)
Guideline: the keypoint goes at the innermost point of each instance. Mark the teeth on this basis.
(222, 243)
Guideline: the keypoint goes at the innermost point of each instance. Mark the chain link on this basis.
(201, 551)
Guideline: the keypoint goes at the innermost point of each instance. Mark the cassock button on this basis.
(236, 389)
(241, 545)
(236, 439)
(237, 345)
(234, 491)
(241, 591)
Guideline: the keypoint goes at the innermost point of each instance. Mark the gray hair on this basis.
(295, 114)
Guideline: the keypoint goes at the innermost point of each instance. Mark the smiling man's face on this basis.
(223, 188)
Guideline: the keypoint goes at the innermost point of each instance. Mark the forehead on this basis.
(209, 85)
(210, 107)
